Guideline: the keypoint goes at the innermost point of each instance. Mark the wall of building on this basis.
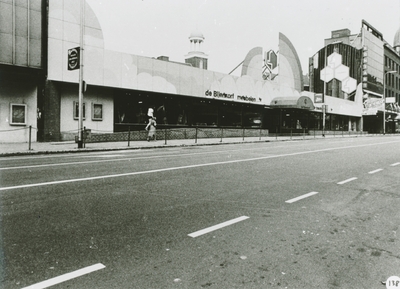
(19, 93)
(102, 98)
(21, 67)
(373, 62)
(120, 70)
(339, 66)
(21, 33)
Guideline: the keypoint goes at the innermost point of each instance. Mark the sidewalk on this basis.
(13, 149)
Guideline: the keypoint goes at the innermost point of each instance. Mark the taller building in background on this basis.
(196, 56)
(353, 67)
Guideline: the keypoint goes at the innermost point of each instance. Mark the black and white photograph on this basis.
(199, 144)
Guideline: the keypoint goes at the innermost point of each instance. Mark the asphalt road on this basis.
(298, 214)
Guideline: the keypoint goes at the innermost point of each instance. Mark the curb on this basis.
(83, 150)
(155, 146)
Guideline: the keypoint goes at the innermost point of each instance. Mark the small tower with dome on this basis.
(196, 57)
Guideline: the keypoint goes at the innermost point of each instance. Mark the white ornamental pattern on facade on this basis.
(336, 70)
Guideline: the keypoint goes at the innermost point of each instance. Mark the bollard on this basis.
(260, 134)
(304, 133)
(165, 135)
(84, 137)
(222, 133)
(129, 135)
(291, 134)
(195, 136)
(30, 137)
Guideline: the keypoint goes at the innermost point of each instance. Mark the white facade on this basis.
(15, 96)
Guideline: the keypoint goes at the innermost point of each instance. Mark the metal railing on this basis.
(29, 128)
(195, 134)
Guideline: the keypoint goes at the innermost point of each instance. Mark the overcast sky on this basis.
(232, 27)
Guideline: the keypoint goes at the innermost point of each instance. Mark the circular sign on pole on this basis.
(393, 282)
(73, 58)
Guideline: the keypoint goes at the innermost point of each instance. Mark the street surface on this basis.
(295, 214)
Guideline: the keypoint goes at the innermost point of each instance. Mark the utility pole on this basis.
(80, 122)
(323, 95)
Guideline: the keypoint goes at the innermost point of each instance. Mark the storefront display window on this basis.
(18, 114)
(76, 110)
(205, 113)
(230, 114)
(97, 111)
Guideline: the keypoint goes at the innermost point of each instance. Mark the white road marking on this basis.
(346, 181)
(116, 160)
(395, 164)
(66, 277)
(216, 227)
(106, 156)
(301, 197)
(375, 171)
(184, 167)
(77, 155)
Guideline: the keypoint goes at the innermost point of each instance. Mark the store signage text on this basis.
(373, 103)
(246, 98)
(219, 94)
(216, 93)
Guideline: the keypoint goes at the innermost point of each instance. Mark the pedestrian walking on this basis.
(151, 128)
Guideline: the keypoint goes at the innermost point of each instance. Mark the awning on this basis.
(372, 93)
(300, 102)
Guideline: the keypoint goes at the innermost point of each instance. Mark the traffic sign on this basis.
(73, 58)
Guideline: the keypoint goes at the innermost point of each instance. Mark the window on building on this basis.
(97, 111)
(18, 114)
(76, 110)
(205, 113)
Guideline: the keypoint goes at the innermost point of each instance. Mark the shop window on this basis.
(205, 113)
(18, 114)
(76, 110)
(97, 111)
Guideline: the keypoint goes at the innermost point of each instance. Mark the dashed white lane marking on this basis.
(301, 197)
(395, 164)
(106, 156)
(66, 277)
(183, 167)
(346, 181)
(216, 227)
(375, 171)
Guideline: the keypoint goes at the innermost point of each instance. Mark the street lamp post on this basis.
(384, 100)
(82, 32)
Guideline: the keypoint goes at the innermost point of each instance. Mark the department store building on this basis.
(122, 87)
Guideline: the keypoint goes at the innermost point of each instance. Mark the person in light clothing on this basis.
(151, 128)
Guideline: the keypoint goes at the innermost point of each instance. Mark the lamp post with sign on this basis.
(384, 99)
(75, 61)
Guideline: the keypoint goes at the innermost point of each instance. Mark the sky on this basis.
(232, 28)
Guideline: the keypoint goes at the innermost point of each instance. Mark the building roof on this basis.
(396, 41)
